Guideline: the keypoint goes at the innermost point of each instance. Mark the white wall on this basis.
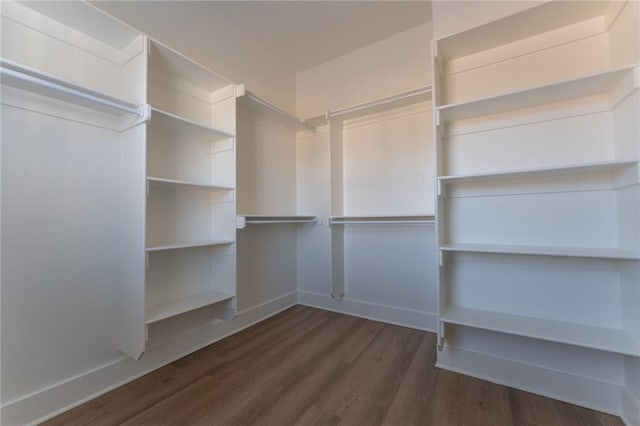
(391, 66)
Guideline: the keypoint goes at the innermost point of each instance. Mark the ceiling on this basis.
(296, 34)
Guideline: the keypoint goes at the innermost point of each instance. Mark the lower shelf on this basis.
(606, 339)
(176, 307)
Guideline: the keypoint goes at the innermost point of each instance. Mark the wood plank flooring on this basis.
(307, 366)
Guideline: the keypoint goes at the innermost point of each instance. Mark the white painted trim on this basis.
(56, 399)
(630, 408)
(389, 314)
(574, 389)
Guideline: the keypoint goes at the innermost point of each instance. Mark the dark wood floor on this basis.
(311, 367)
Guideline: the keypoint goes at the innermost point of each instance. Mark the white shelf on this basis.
(574, 169)
(607, 339)
(172, 63)
(243, 220)
(189, 184)
(185, 128)
(188, 245)
(540, 19)
(29, 79)
(600, 253)
(176, 307)
(561, 91)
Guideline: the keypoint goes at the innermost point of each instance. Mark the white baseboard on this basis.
(578, 390)
(377, 312)
(630, 408)
(49, 402)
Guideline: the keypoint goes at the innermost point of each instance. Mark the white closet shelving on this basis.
(538, 176)
(74, 100)
(190, 209)
(267, 173)
(365, 192)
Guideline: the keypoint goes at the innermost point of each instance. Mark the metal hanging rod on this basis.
(382, 220)
(22, 77)
(416, 93)
(243, 221)
(290, 117)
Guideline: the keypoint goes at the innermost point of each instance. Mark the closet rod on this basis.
(379, 102)
(279, 111)
(33, 77)
(419, 220)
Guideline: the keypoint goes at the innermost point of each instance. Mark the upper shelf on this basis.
(183, 183)
(600, 166)
(79, 24)
(536, 20)
(587, 252)
(185, 128)
(167, 63)
(257, 105)
(589, 85)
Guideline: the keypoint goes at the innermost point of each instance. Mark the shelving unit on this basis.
(190, 205)
(371, 157)
(606, 82)
(607, 339)
(538, 176)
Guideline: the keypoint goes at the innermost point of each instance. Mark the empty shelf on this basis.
(575, 169)
(184, 128)
(565, 90)
(602, 253)
(157, 247)
(176, 307)
(190, 184)
(607, 339)
(546, 17)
